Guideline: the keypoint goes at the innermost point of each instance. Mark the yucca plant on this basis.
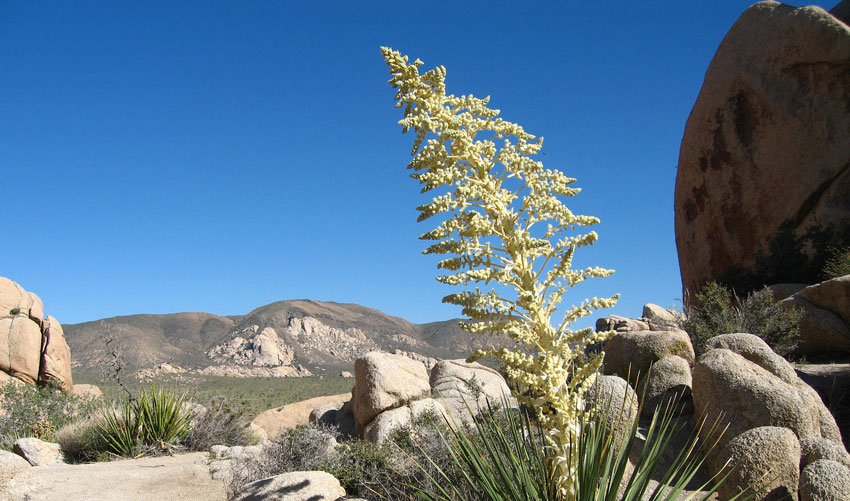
(119, 429)
(156, 419)
(504, 457)
(163, 420)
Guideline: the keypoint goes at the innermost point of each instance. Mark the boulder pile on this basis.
(777, 424)
(825, 326)
(32, 346)
(390, 391)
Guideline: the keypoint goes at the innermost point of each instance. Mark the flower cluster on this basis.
(504, 228)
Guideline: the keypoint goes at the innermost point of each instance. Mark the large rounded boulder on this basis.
(765, 459)
(767, 142)
(630, 354)
(384, 381)
(748, 396)
(825, 326)
(462, 387)
(33, 348)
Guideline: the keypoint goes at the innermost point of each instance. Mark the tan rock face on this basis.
(385, 423)
(749, 396)
(457, 384)
(87, 391)
(766, 458)
(669, 381)
(11, 297)
(273, 421)
(629, 354)
(56, 359)
(614, 396)
(824, 480)
(38, 452)
(20, 348)
(32, 348)
(767, 141)
(384, 381)
(294, 486)
(825, 326)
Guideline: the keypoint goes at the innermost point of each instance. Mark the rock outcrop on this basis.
(32, 347)
(780, 435)
(383, 382)
(824, 480)
(391, 391)
(460, 386)
(273, 421)
(825, 326)
(294, 486)
(629, 354)
(613, 396)
(38, 452)
(750, 396)
(766, 459)
(767, 142)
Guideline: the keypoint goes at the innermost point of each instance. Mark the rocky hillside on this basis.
(285, 338)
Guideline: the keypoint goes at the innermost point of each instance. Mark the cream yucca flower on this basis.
(503, 226)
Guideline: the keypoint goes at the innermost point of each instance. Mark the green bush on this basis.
(716, 310)
(31, 411)
(838, 265)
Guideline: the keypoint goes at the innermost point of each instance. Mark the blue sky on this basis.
(218, 156)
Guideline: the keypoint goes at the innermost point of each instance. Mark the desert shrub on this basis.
(303, 448)
(81, 440)
(218, 423)
(838, 264)
(32, 411)
(385, 471)
(716, 310)
(366, 469)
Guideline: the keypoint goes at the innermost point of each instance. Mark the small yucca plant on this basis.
(156, 419)
(119, 429)
(162, 417)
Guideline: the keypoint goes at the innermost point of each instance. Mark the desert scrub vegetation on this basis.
(390, 470)
(155, 422)
(501, 455)
(716, 310)
(248, 395)
(216, 423)
(33, 411)
(159, 421)
(838, 264)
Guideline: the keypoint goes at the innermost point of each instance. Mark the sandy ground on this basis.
(181, 477)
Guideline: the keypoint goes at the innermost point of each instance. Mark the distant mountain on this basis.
(283, 338)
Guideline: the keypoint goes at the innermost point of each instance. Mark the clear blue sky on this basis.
(218, 156)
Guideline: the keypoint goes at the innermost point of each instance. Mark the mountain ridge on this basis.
(312, 333)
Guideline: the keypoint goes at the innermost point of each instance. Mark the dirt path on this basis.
(182, 477)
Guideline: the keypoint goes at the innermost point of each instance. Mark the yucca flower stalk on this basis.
(505, 226)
